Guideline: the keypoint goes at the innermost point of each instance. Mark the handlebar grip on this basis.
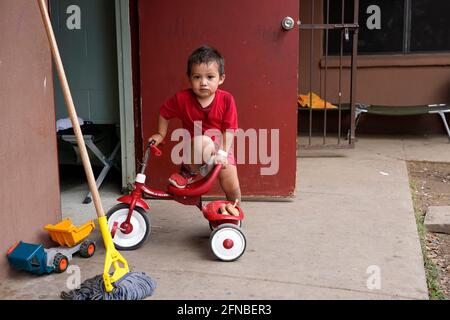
(157, 152)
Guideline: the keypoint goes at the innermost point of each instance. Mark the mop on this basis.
(121, 284)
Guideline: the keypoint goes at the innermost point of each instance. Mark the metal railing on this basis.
(323, 139)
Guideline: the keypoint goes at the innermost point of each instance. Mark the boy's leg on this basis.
(229, 181)
(202, 148)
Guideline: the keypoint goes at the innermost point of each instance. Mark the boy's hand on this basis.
(220, 159)
(157, 137)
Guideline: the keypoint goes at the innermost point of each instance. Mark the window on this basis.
(392, 26)
(430, 25)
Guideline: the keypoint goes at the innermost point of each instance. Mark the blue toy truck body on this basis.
(30, 257)
(36, 259)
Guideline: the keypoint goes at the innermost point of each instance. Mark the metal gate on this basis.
(327, 78)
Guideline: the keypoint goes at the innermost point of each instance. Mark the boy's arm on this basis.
(163, 124)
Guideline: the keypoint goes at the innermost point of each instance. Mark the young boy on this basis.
(204, 103)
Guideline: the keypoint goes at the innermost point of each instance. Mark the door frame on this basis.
(125, 79)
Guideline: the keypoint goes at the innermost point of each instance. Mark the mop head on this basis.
(132, 286)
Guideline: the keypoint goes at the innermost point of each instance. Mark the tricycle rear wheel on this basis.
(228, 242)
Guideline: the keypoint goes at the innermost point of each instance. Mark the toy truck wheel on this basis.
(140, 223)
(87, 249)
(60, 262)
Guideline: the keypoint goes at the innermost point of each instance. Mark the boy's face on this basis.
(205, 79)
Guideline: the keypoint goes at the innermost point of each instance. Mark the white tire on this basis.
(227, 242)
(139, 221)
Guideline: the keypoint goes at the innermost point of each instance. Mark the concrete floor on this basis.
(350, 233)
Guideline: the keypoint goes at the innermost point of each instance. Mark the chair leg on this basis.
(107, 164)
(98, 182)
(444, 120)
(357, 118)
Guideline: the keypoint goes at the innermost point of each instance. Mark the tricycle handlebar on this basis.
(156, 151)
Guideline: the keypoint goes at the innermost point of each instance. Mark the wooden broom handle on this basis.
(71, 108)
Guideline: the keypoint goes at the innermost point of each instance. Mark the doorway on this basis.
(86, 33)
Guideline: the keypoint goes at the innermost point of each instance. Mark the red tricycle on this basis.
(130, 225)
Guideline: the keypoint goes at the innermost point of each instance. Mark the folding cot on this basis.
(362, 108)
(439, 109)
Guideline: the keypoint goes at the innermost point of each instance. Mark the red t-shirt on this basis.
(220, 114)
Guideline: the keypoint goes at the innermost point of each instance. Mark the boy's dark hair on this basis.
(206, 54)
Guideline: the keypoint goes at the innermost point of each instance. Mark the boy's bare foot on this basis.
(232, 209)
(229, 209)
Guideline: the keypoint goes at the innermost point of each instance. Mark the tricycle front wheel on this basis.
(140, 227)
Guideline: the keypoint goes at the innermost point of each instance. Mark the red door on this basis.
(261, 72)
